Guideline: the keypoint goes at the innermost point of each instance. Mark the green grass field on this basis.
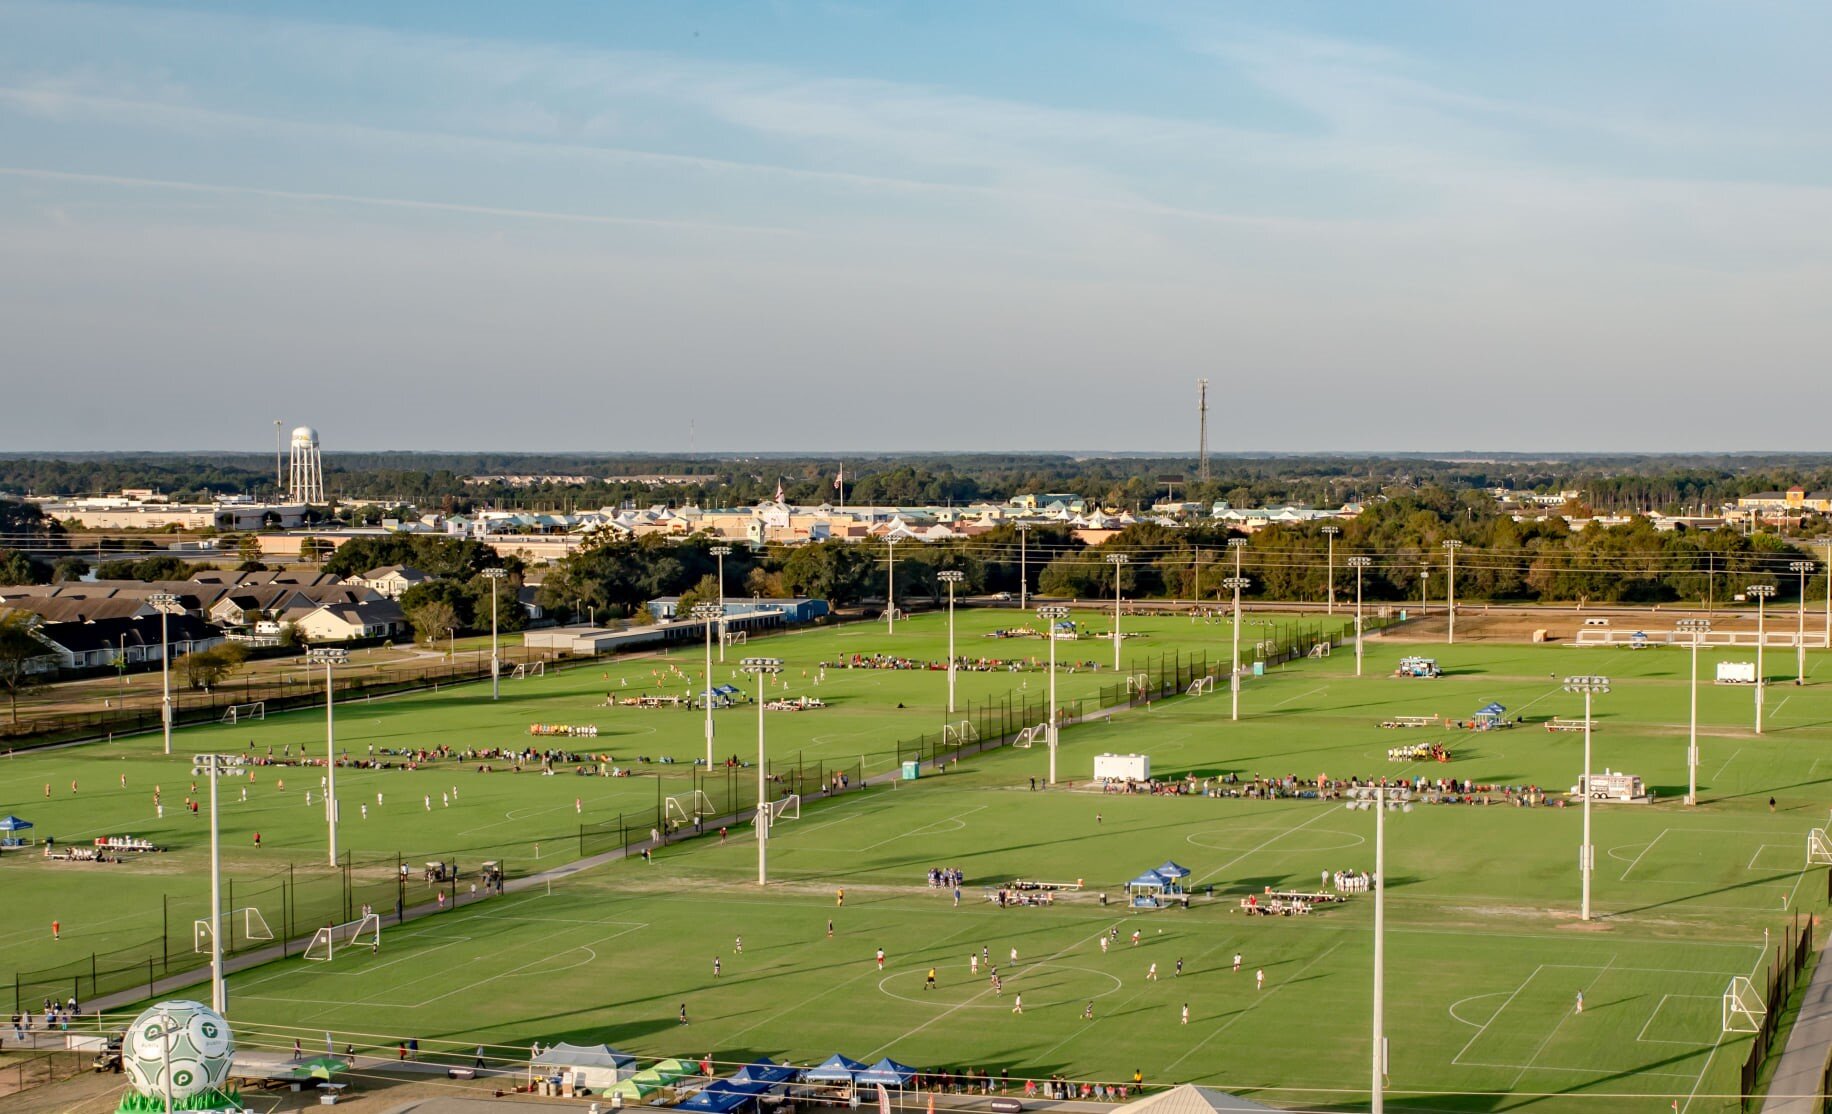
(1485, 952)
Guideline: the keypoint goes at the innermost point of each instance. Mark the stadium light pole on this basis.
(164, 601)
(1118, 561)
(1235, 582)
(721, 552)
(1450, 590)
(1051, 614)
(1587, 854)
(1330, 533)
(707, 612)
(212, 766)
(1828, 644)
(762, 669)
(950, 577)
(329, 656)
(1024, 529)
(495, 577)
(1358, 564)
(1380, 798)
(1800, 627)
(890, 586)
(1697, 628)
(1762, 592)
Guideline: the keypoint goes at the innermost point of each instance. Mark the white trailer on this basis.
(1736, 673)
(1122, 767)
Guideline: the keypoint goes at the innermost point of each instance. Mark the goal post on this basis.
(1743, 1007)
(1031, 734)
(236, 713)
(1320, 650)
(366, 931)
(785, 808)
(735, 637)
(1819, 848)
(529, 669)
(1200, 685)
(962, 732)
(687, 809)
(247, 920)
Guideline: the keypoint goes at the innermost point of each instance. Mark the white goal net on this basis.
(1200, 685)
(1137, 682)
(1320, 650)
(685, 810)
(529, 669)
(239, 925)
(783, 808)
(236, 713)
(365, 932)
(735, 637)
(1819, 848)
(962, 732)
(1743, 1007)
(1031, 734)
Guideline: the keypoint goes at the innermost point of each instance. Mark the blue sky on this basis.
(912, 226)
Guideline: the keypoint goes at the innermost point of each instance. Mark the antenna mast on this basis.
(1202, 447)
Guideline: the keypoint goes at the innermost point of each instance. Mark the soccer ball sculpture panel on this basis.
(189, 1036)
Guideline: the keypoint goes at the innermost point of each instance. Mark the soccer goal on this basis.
(1200, 685)
(1137, 682)
(331, 939)
(735, 637)
(1819, 848)
(236, 713)
(253, 928)
(1320, 650)
(529, 669)
(685, 809)
(957, 733)
(1032, 734)
(1743, 1008)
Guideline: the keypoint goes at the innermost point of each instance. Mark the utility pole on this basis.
(1051, 614)
(1358, 563)
(890, 586)
(708, 613)
(1330, 532)
(1800, 628)
(165, 602)
(1450, 598)
(720, 553)
(1697, 628)
(214, 766)
(1023, 529)
(495, 577)
(763, 669)
(1118, 561)
(1762, 592)
(1236, 583)
(1202, 441)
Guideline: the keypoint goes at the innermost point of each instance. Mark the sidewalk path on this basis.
(1795, 1086)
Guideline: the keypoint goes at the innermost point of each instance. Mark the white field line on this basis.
(1299, 696)
(1259, 997)
(1761, 954)
(1733, 758)
(921, 829)
(1457, 1060)
(1560, 1025)
(1642, 1036)
(1269, 842)
(1644, 851)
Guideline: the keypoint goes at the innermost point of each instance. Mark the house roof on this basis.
(1191, 1099)
(139, 630)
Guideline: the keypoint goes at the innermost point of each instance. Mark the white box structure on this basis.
(1736, 673)
(1122, 767)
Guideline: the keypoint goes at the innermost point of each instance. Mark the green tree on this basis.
(22, 656)
(432, 620)
(22, 568)
(248, 548)
(838, 572)
(69, 568)
(207, 668)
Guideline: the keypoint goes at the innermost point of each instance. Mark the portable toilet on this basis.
(912, 769)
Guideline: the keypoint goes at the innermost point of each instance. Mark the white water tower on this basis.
(307, 484)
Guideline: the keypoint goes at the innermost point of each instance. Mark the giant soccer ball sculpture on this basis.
(190, 1037)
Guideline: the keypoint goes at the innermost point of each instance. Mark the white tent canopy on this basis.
(594, 1065)
(1191, 1099)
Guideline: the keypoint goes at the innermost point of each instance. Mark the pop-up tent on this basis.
(1190, 1099)
(888, 1072)
(1172, 871)
(597, 1066)
(10, 827)
(834, 1069)
(1490, 715)
(766, 1071)
(722, 1096)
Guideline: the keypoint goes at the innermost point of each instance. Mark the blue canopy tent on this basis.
(834, 1069)
(722, 1096)
(1489, 716)
(1145, 891)
(1172, 871)
(766, 1071)
(888, 1072)
(10, 827)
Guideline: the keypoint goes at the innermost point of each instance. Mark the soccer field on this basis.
(447, 809)
(1485, 954)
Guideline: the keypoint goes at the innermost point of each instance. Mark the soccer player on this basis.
(1580, 1001)
(1237, 963)
(1017, 1004)
(880, 959)
(738, 945)
(1259, 979)
(1087, 1011)
(973, 963)
(1136, 937)
(1151, 973)
(1179, 971)
(1014, 956)
(1186, 1013)
(929, 983)
(1103, 945)
(829, 919)
(715, 966)
(683, 1013)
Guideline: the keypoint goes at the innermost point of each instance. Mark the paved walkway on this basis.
(1795, 1086)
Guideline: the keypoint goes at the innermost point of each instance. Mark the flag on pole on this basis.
(884, 1100)
(839, 479)
(779, 491)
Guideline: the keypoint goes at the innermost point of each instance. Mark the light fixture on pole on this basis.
(1380, 798)
(165, 602)
(721, 552)
(1450, 589)
(214, 766)
(707, 613)
(1697, 628)
(763, 669)
(1587, 852)
(1023, 529)
(1051, 614)
(329, 657)
(1358, 563)
(1118, 561)
(890, 586)
(951, 577)
(1762, 592)
(495, 577)
(1800, 628)
(1330, 533)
